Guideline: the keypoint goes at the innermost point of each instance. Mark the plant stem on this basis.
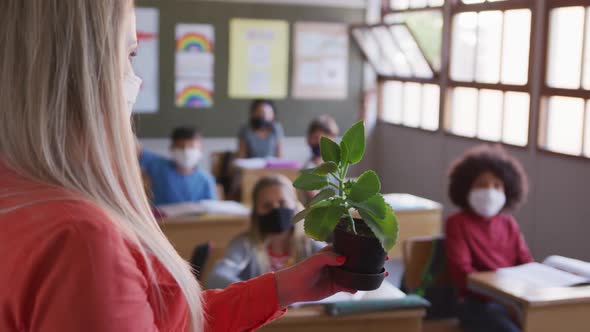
(351, 222)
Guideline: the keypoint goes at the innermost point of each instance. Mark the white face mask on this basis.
(487, 202)
(187, 158)
(131, 87)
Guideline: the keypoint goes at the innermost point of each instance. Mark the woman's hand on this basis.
(309, 280)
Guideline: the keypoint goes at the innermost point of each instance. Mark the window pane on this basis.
(516, 118)
(587, 135)
(515, 54)
(437, 3)
(412, 52)
(564, 125)
(463, 46)
(418, 3)
(565, 47)
(472, 1)
(490, 115)
(489, 46)
(586, 82)
(427, 27)
(400, 4)
(412, 101)
(430, 106)
(464, 112)
(392, 102)
(370, 47)
(401, 66)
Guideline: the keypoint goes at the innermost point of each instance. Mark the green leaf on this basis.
(324, 169)
(354, 139)
(375, 205)
(320, 222)
(301, 215)
(343, 153)
(310, 181)
(330, 150)
(322, 195)
(365, 187)
(385, 229)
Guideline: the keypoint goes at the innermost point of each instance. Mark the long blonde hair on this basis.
(64, 120)
(300, 245)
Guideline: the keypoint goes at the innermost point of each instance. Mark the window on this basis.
(565, 115)
(409, 4)
(411, 104)
(410, 40)
(427, 27)
(489, 64)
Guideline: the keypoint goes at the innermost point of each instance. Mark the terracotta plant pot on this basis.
(365, 257)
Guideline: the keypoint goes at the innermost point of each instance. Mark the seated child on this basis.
(263, 136)
(178, 180)
(485, 184)
(272, 242)
(323, 125)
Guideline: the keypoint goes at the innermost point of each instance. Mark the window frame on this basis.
(546, 91)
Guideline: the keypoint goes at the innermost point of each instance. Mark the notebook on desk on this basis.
(555, 271)
(387, 297)
(204, 207)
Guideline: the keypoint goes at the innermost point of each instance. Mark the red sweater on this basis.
(65, 267)
(475, 244)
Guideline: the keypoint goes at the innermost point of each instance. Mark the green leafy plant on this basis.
(338, 195)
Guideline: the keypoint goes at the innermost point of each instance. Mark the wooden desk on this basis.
(416, 217)
(249, 177)
(539, 309)
(185, 233)
(313, 319)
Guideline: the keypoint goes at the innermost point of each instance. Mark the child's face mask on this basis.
(131, 86)
(487, 202)
(187, 158)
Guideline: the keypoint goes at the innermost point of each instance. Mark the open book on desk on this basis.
(386, 297)
(555, 271)
(204, 207)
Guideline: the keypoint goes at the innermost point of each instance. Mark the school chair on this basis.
(425, 274)
(221, 162)
(204, 258)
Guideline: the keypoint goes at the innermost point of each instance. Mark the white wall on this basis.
(295, 148)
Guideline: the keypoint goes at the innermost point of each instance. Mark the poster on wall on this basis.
(320, 65)
(195, 79)
(146, 63)
(259, 58)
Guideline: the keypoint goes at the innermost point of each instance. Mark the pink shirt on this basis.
(65, 267)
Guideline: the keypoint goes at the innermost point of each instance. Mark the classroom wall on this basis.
(556, 218)
(227, 115)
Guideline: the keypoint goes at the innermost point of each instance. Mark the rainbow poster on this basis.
(195, 94)
(195, 44)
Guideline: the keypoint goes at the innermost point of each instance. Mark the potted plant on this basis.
(365, 227)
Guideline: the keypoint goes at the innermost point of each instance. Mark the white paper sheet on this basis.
(541, 275)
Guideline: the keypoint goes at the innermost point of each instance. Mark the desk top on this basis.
(408, 202)
(317, 313)
(494, 284)
(204, 219)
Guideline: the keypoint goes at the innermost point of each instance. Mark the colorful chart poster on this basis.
(195, 44)
(146, 63)
(321, 61)
(259, 58)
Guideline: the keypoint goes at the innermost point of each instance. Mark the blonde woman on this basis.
(272, 242)
(80, 250)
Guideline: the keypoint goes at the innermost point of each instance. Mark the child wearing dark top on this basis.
(263, 136)
(485, 184)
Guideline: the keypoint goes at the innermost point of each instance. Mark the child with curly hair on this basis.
(485, 184)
